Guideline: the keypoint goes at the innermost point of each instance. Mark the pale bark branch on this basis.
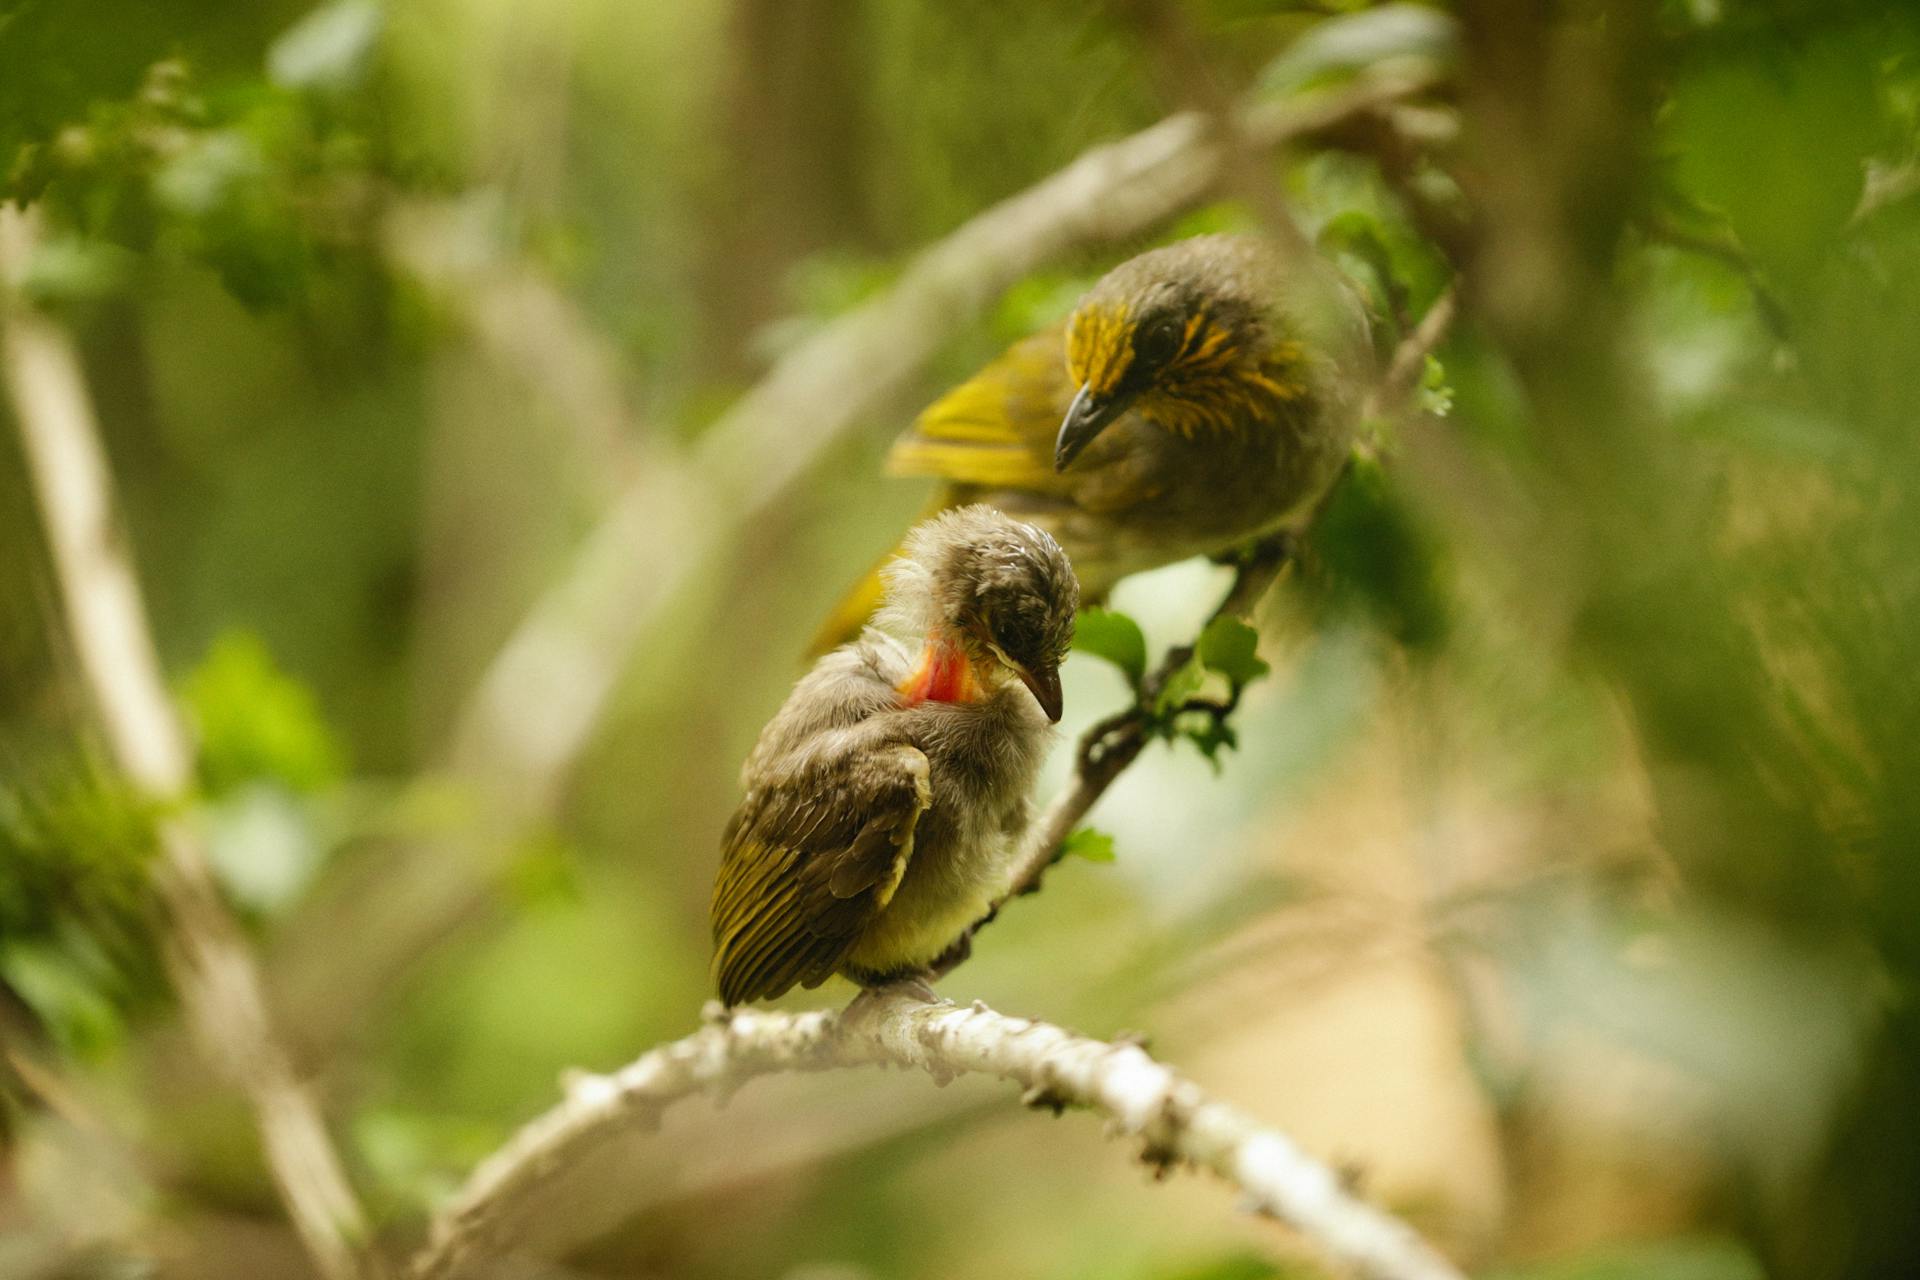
(1409, 363)
(1173, 1120)
(206, 954)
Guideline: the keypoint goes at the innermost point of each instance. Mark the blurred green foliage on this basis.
(76, 944)
(1376, 555)
(252, 722)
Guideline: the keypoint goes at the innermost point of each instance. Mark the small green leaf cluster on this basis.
(253, 722)
(77, 939)
(1172, 704)
(76, 943)
(265, 178)
(1088, 843)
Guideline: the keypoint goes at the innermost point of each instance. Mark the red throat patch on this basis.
(944, 675)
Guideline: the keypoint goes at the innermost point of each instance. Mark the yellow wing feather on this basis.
(806, 865)
(995, 430)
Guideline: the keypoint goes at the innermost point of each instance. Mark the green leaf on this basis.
(1094, 846)
(255, 721)
(1115, 637)
(1228, 646)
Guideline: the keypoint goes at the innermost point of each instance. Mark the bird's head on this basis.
(994, 598)
(1190, 335)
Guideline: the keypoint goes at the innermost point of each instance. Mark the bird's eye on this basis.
(1156, 344)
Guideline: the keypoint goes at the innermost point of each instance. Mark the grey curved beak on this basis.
(1086, 418)
(1044, 684)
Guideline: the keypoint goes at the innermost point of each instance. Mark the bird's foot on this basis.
(915, 984)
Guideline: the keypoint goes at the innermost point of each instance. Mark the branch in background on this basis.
(1176, 1123)
(536, 706)
(207, 956)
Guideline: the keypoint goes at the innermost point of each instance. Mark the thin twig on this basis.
(206, 953)
(1409, 362)
(1173, 1120)
(1110, 746)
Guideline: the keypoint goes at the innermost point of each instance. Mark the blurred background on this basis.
(1562, 890)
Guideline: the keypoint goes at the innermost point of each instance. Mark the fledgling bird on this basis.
(1200, 395)
(885, 798)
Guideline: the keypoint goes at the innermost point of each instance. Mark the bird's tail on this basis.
(862, 601)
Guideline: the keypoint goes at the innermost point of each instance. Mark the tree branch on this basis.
(1409, 362)
(206, 954)
(1175, 1122)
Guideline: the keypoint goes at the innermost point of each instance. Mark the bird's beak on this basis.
(1087, 417)
(1044, 684)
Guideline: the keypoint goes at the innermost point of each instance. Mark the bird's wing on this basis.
(809, 860)
(997, 428)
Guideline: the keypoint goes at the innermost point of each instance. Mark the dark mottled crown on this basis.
(987, 577)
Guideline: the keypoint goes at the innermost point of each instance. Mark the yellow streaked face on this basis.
(1186, 369)
(1100, 347)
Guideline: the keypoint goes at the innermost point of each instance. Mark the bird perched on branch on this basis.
(1200, 395)
(885, 798)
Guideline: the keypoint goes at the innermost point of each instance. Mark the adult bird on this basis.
(1200, 395)
(885, 798)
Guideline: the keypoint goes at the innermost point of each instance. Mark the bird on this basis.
(885, 799)
(1201, 395)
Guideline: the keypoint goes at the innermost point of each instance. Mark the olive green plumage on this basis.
(1200, 395)
(885, 798)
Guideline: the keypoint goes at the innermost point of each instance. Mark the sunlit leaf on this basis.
(256, 722)
(1094, 846)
